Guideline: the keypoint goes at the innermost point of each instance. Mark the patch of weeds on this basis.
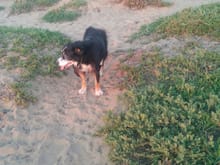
(130, 53)
(12, 62)
(146, 30)
(138, 4)
(61, 15)
(23, 96)
(34, 51)
(135, 76)
(45, 2)
(76, 4)
(201, 21)
(158, 3)
(23, 6)
(173, 118)
(2, 8)
(69, 12)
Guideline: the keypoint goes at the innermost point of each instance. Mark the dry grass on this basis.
(138, 4)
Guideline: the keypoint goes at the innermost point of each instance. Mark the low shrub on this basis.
(61, 15)
(2, 8)
(138, 4)
(173, 112)
(76, 4)
(23, 6)
(201, 21)
(68, 12)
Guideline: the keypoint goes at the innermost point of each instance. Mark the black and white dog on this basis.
(85, 56)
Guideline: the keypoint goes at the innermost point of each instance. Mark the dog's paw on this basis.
(82, 91)
(99, 92)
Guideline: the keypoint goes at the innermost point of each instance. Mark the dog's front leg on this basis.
(83, 82)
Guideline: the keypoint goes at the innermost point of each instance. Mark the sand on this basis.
(59, 129)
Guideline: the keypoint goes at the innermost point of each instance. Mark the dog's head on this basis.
(71, 54)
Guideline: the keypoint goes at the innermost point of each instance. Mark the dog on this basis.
(86, 56)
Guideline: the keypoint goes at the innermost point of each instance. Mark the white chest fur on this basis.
(85, 68)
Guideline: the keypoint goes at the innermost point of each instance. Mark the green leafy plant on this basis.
(23, 96)
(61, 15)
(23, 6)
(138, 4)
(201, 21)
(69, 12)
(2, 8)
(76, 4)
(173, 112)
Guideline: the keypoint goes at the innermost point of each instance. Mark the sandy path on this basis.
(59, 128)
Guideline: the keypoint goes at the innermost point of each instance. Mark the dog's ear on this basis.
(64, 49)
(78, 51)
(78, 48)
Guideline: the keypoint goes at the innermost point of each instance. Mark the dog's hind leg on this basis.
(98, 91)
(101, 68)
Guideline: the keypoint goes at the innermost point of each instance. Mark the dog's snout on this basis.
(59, 60)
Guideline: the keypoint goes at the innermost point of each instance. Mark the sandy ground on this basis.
(59, 129)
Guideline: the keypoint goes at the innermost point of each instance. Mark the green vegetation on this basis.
(23, 6)
(33, 52)
(69, 12)
(76, 4)
(23, 96)
(172, 112)
(61, 15)
(2, 8)
(138, 4)
(201, 21)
